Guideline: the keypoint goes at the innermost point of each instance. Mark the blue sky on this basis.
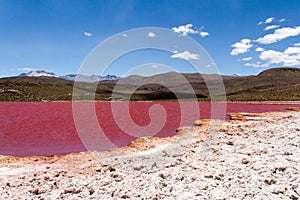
(242, 37)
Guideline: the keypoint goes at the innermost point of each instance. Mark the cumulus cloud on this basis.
(27, 69)
(241, 47)
(271, 27)
(87, 34)
(186, 55)
(279, 34)
(292, 50)
(124, 35)
(151, 35)
(269, 20)
(253, 65)
(259, 49)
(260, 23)
(282, 20)
(257, 64)
(247, 58)
(290, 57)
(204, 34)
(297, 44)
(188, 29)
(185, 29)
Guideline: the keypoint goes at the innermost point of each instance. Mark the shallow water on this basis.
(45, 128)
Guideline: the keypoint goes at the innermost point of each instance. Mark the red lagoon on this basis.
(46, 128)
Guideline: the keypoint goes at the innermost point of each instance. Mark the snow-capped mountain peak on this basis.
(39, 73)
(82, 78)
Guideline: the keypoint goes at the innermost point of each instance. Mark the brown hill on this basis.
(279, 84)
(272, 84)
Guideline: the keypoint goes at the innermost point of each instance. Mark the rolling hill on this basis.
(278, 84)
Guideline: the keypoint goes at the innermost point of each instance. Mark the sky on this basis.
(242, 37)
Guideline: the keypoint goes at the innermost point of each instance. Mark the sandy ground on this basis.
(249, 159)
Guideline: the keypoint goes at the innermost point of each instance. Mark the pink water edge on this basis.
(46, 128)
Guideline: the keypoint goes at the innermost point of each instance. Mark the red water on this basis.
(46, 128)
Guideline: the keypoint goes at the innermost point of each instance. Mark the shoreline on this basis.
(240, 159)
(262, 102)
(179, 131)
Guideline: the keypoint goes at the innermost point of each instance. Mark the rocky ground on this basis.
(247, 158)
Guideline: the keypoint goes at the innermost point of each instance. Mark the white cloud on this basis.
(269, 20)
(290, 57)
(258, 64)
(259, 49)
(297, 44)
(87, 34)
(204, 34)
(185, 30)
(271, 27)
(282, 20)
(186, 55)
(260, 23)
(124, 35)
(241, 47)
(252, 65)
(188, 29)
(27, 69)
(279, 34)
(151, 35)
(292, 50)
(247, 58)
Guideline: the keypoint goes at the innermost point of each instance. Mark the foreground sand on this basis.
(254, 159)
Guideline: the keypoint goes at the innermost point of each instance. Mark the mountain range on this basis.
(277, 84)
(78, 77)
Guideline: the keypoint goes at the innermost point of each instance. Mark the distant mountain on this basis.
(39, 73)
(92, 78)
(277, 84)
(71, 77)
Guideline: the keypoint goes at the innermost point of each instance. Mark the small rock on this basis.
(35, 191)
(198, 123)
(208, 176)
(164, 184)
(72, 191)
(165, 153)
(161, 175)
(245, 161)
(110, 168)
(125, 196)
(229, 143)
(98, 170)
(117, 177)
(269, 181)
(279, 169)
(138, 168)
(286, 153)
(91, 191)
